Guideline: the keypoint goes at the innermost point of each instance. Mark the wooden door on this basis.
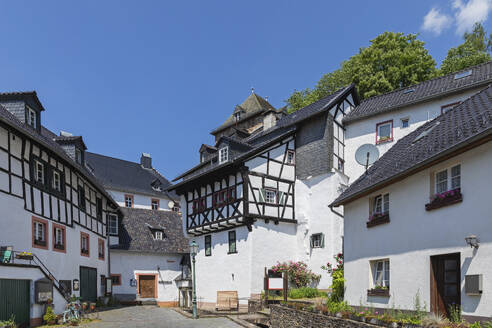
(445, 282)
(146, 286)
(88, 284)
(15, 300)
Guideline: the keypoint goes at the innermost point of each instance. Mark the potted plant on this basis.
(50, 317)
(84, 306)
(93, 306)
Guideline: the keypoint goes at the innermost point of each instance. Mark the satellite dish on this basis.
(366, 155)
(170, 204)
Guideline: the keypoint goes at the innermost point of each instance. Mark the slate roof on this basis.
(253, 105)
(45, 139)
(14, 95)
(127, 176)
(136, 234)
(481, 75)
(70, 140)
(466, 123)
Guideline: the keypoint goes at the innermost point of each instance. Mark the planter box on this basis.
(40, 242)
(60, 247)
(449, 199)
(24, 257)
(384, 292)
(85, 251)
(383, 219)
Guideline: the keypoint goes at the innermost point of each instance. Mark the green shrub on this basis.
(9, 323)
(50, 316)
(487, 324)
(335, 307)
(305, 292)
(476, 324)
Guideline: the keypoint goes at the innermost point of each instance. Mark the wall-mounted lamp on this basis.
(473, 241)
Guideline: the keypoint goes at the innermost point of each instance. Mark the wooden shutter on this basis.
(311, 241)
(322, 240)
(262, 195)
(281, 196)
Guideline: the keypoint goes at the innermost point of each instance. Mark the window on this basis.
(384, 132)
(201, 205)
(317, 240)
(338, 146)
(270, 196)
(232, 242)
(237, 116)
(381, 204)
(39, 233)
(231, 194)
(38, 171)
(291, 157)
(100, 248)
(158, 235)
(154, 204)
(31, 117)
(128, 200)
(223, 155)
(59, 242)
(112, 224)
(446, 108)
(81, 198)
(56, 181)
(99, 208)
(84, 244)
(208, 245)
(78, 155)
(405, 123)
(443, 183)
(116, 279)
(176, 208)
(461, 75)
(381, 270)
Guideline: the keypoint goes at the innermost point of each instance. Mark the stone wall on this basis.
(284, 317)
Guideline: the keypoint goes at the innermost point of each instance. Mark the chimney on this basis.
(269, 120)
(146, 161)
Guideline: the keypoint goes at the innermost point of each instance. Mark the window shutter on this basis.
(281, 196)
(311, 241)
(262, 195)
(322, 240)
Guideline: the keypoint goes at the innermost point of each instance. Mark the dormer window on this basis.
(31, 117)
(39, 171)
(78, 156)
(223, 155)
(237, 116)
(158, 235)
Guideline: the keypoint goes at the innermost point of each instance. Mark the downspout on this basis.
(339, 214)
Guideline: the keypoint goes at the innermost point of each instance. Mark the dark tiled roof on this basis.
(136, 234)
(70, 140)
(127, 176)
(467, 122)
(253, 105)
(480, 75)
(45, 138)
(16, 94)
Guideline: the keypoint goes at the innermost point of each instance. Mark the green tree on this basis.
(473, 51)
(393, 60)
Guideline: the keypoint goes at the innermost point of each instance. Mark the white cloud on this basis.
(469, 13)
(436, 22)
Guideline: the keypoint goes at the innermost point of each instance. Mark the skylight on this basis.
(426, 132)
(408, 91)
(462, 74)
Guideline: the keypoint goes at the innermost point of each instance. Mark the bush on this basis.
(298, 273)
(9, 323)
(50, 316)
(338, 281)
(305, 292)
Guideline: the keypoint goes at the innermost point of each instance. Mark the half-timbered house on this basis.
(261, 196)
(54, 214)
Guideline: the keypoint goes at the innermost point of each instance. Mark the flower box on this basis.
(378, 219)
(85, 251)
(27, 257)
(444, 199)
(60, 246)
(384, 292)
(39, 242)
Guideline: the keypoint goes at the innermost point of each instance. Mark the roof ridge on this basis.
(426, 81)
(118, 159)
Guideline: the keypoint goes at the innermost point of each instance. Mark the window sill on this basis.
(39, 242)
(84, 252)
(383, 219)
(378, 292)
(379, 142)
(231, 252)
(437, 202)
(59, 247)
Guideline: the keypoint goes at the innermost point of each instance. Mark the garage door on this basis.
(88, 284)
(14, 299)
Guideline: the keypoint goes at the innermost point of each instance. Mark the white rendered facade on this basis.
(414, 235)
(140, 200)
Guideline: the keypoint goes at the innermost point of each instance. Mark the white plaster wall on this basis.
(128, 264)
(364, 131)
(139, 200)
(314, 216)
(413, 235)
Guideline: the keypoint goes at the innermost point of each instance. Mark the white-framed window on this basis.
(128, 200)
(317, 240)
(78, 155)
(384, 131)
(39, 171)
(158, 235)
(100, 249)
(270, 196)
(154, 204)
(381, 204)
(112, 224)
(84, 244)
(237, 116)
(59, 236)
(291, 157)
(448, 179)
(39, 231)
(381, 271)
(56, 181)
(31, 117)
(405, 122)
(223, 155)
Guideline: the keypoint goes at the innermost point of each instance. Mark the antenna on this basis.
(366, 155)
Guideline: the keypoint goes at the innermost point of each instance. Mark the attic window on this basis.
(78, 156)
(158, 235)
(223, 155)
(426, 132)
(462, 74)
(31, 117)
(408, 91)
(237, 116)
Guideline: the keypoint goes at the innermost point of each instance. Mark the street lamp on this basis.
(193, 252)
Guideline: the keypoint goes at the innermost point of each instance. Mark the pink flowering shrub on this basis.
(338, 280)
(298, 273)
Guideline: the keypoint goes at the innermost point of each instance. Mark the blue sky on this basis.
(157, 77)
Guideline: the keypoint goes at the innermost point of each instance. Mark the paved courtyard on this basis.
(152, 316)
